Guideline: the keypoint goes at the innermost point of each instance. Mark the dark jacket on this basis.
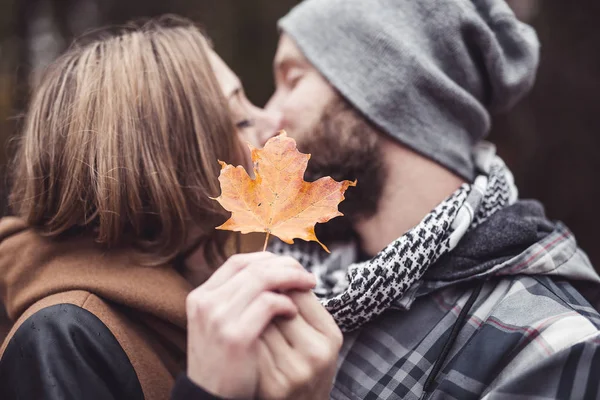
(89, 324)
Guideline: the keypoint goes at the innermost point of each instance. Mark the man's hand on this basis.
(228, 314)
(298, 356)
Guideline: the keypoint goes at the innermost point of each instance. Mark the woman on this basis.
(115, 226)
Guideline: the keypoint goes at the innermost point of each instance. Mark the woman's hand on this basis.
(228, 314)
(298, 356)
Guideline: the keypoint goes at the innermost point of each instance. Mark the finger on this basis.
(285, 367)
(295, 332)
(274, 274)
(266, 362)
(309, 348)
(313, 312)
(293, 366)
(271, 381)
(259, 314)
(232, 267)
(275, 340)
(280, 350)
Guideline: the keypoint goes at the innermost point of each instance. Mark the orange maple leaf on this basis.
(278, 201)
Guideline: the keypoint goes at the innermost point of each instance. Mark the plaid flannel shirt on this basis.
(529, 335)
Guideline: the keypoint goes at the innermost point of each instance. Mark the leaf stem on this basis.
(266, 241)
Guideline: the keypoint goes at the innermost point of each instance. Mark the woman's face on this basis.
(252, 123)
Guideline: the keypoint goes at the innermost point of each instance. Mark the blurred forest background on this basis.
(550, 140)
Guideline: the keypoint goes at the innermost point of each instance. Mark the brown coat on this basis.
(143, 307)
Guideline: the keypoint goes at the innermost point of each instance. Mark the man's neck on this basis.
(414, 186)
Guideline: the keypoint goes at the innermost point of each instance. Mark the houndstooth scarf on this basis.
(355, 293)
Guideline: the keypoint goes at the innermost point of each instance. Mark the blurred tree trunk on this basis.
(7, 51)
(21, 24)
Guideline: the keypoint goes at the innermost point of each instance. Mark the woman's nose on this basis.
(268, 124)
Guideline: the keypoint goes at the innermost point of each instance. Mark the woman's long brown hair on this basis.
(121, 143)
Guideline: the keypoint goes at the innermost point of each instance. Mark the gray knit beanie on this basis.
(427, 72)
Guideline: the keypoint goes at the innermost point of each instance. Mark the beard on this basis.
(345, 146)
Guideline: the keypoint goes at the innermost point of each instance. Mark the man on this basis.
(457, 289)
